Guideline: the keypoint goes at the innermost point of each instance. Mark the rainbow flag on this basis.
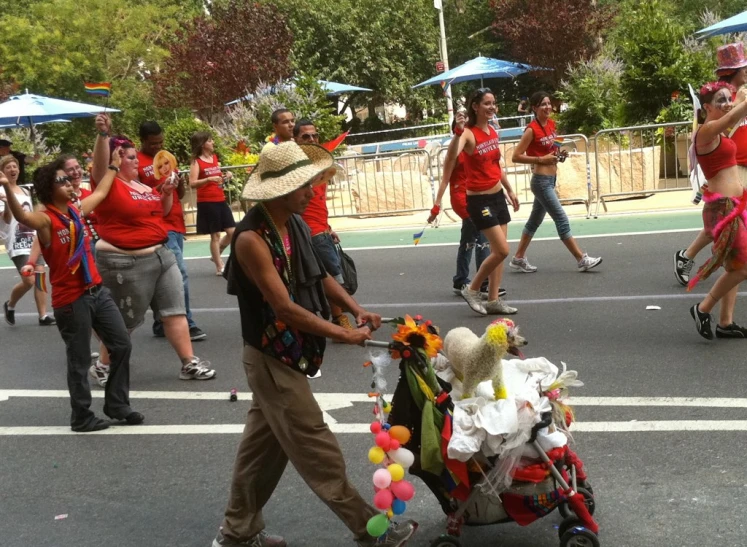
(41, 281)
(416, 237)
(444, 85)
(102, 89)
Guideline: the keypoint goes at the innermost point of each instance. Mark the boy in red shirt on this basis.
(81, 303)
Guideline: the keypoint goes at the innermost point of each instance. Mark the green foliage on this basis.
(178, 133)
(594, 96)
(33, 145)
(658, 58)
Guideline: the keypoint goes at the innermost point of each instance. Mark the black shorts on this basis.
(214, 217)
(488, 210)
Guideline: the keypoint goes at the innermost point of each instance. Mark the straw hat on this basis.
(730, 57)
(285, 168)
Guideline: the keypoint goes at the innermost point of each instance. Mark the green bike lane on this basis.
(383, 236)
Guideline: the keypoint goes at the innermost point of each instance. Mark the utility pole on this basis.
(444, 57)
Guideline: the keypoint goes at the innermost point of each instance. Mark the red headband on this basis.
(712, 87)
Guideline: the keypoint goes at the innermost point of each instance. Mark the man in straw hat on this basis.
(732, 69)
(282, 289)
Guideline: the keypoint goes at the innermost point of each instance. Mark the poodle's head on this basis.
(513, 339)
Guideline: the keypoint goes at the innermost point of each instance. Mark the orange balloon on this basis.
(401, 433)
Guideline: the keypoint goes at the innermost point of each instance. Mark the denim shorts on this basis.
(136, 281)
(326, 248)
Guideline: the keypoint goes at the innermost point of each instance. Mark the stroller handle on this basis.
(376, 344)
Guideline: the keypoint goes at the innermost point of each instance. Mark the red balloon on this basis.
(383, 499)
(394, 444)
(383, 440)
(403, 489)
(375, 427)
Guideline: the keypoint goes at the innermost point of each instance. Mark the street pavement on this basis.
(661, 418)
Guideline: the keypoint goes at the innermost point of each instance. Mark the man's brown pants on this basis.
(285, 423)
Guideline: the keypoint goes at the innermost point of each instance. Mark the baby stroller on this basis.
(484, 490)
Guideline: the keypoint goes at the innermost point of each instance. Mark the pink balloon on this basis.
(383, 499)
(375, 427)
(403, 489)
(393, 444)
(382, 478)
(383, 440)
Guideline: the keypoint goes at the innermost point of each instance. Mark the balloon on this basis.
(403, 490)
(376, 455)
(402, 456)
(387, 426)
(382, 478)
(383, 440)
(387, 408)
(401, 433)
(389, 513)
(396, 471)
(393, 444)
(375, 427)
(377, 525)
(398, 506)
(383, 499)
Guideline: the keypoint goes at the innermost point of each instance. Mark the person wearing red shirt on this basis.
(214, 216)
(486, 198)
(537, 148)
(79, 300)
(732, 69)
(155, 166)
(316, 215)
(73, 170)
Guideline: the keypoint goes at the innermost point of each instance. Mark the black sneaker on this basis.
(682, 267)
(97, 424)
(10, 315)
(501, 292)
(731, 331)
(702, 322)
(47, 320)
(196, 333)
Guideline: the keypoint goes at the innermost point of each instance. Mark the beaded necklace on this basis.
(280, 244)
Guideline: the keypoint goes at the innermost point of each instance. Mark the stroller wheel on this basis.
(586, 485)
(567, 524)
(566, 511)
(578, 536)
(446, 541)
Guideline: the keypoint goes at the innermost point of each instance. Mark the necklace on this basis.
(281, 244)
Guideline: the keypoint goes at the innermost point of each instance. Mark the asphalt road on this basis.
(666, 472)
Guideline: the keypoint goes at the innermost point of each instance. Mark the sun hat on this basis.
(5, 142)
(285, 168)
(730, 57)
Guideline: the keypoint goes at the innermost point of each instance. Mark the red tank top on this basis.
(67, 287)
(458, 188)
(210, 192)
(316, 214)
(175, 219)
(483, 166)
(131, 219)
(740, 139)
(722, 157)
(544, 138)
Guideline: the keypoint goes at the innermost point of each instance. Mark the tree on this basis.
(549, 33)
(220, 57)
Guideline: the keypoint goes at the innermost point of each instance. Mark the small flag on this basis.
(102, 89)
(444, 85)
(416, 237)
(41, 281)
(334, 143)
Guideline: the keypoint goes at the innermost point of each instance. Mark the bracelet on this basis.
(113, 168)
(458, 131)
(103, 134)
(435, 210)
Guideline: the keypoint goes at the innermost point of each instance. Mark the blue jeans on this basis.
(546, 201)
(471, 238)
(176, 244)
(326, 248)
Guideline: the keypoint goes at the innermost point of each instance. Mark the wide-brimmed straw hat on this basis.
(285, 168)
(730, 57)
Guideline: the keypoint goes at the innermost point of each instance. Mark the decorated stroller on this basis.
(517, 477)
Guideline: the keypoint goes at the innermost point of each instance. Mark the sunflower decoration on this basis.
(417, 334)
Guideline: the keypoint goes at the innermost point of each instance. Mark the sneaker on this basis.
(47, 320)
(197, 369)
(732, 331)
(97, 424)
(682, 267)
(474, 300)
(396, 536)
(498, 307)
(458, 290)
(99, 372)
(501, 293)
(315, 376)
(587, 263)
(521, 265)
(10, 315)
(263, 539)
(196, 333)
(342, 321)
(702, 322)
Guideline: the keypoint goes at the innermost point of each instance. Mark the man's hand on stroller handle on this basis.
(368, 319)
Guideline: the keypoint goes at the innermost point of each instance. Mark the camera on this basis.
(562, 155)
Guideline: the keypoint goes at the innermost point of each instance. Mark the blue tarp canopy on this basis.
(738, 23)
(27, 110)
(480, 68)
(332, 88)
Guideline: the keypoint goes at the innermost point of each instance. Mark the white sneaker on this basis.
(99, 372)
(197, 369)
(474, 300)
(498, 307)
(522, 265)
(587, 263)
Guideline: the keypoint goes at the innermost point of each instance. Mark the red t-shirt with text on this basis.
(483, 165)
(210, 192)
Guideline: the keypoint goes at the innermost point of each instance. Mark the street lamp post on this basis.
(444, 58)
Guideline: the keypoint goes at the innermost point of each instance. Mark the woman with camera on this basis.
(537, 147)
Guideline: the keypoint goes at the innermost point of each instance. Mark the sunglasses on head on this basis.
(62, 181)
(310, 137)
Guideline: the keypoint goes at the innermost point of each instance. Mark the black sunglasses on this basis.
(310, 136)
(62, 181)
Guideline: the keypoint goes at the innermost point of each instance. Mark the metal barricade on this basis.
(641, 160)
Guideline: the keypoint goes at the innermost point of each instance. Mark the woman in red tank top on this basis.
(724, 215)
(537, 148)
(486, 198)
(214, 215)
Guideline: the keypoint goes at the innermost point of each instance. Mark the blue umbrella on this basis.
(478, 69)
(333, 89)
(738, 23)
(28, 110)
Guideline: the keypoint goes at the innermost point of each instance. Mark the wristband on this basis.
(113, 168)
(103, 134)
(436, 209)
(458, 131)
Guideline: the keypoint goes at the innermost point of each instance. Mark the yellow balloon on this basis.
(401, 433)
(396, 471)
(390, 513)
(376, 455)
